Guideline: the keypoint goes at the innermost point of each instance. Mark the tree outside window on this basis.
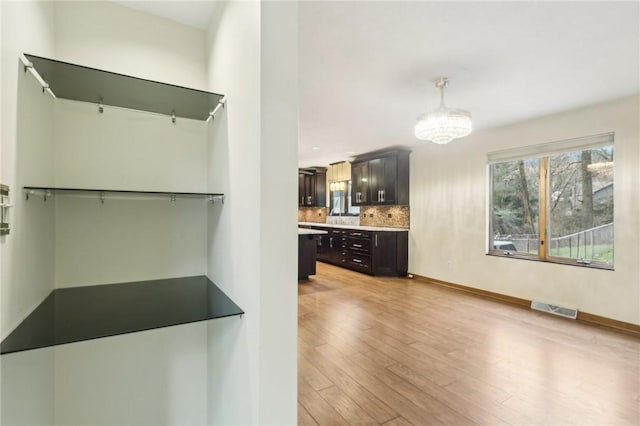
(556, 207)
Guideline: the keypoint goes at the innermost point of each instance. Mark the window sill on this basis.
(556, 262)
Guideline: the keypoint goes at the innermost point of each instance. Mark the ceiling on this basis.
(367, 69)
(195, 14)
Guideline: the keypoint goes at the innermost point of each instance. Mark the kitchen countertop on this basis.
(362, 228)
(303, 231)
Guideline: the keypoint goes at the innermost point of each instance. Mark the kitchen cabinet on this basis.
(331, 246)
(359, 183)
(383, 178)
(379, 253)
(312, 187)
(306, 256)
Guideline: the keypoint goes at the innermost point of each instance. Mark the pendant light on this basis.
(444, 124)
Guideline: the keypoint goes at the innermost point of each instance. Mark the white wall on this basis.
(448, 234)
(158, 376)
(108, 36)
(26, 382)
(155, 377)
(28, 388)
(128, 238)
(25, 27)
(234, 229)
(279, 213)
(253, 61)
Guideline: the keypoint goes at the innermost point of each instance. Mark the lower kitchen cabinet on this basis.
(379, 253)
(331, 246)
(307, 252)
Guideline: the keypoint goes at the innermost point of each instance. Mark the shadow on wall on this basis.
(229, 357)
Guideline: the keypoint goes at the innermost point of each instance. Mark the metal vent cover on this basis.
(563, 311)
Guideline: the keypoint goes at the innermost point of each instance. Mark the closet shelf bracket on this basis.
(213, 198)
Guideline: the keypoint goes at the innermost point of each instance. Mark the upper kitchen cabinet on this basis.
(360, 183)
(312, 187)
(380, 178)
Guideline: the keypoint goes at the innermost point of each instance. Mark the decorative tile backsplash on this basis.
(312, 214)
(390, 216)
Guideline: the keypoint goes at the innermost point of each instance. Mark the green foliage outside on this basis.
(580, 201)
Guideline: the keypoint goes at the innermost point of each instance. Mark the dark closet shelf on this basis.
(79, 83)
(75, 314)
(54, 189)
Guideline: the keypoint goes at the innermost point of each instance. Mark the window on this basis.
(554, 202)
(340, 197)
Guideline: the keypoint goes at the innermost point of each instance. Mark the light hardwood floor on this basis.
(398, 352)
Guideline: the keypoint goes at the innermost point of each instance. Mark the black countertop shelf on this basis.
(120, 191)
(75, 314)
(79, 83)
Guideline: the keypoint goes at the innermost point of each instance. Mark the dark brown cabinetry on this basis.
(381, 178)
(359, 183)
(331, 246)
(312, 187)
(380, 253)
(307, 247)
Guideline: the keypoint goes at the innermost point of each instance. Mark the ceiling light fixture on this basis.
(444, 124)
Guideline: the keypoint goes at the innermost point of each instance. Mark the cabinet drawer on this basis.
(359, 245)
(359, 234)
(359, 262)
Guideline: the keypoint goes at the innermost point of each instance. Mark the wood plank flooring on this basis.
(396, 351)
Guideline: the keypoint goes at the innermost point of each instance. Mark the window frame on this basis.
(544, 213)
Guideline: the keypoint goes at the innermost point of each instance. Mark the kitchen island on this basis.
(307, 250)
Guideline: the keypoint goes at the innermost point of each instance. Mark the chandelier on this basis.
(444, 124)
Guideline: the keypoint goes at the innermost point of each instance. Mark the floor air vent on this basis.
(562, 311)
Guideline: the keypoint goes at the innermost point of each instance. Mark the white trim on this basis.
(557, 147)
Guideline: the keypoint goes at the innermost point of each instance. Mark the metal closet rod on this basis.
(28, 66)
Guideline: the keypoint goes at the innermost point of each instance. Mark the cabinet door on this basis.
(359, 183)
(384, 253)
(389, 178)
(301, 194)
(402, 179)
(320, 189)
(376, 180)
(383, 180)
(310, 190)
(325, 243)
